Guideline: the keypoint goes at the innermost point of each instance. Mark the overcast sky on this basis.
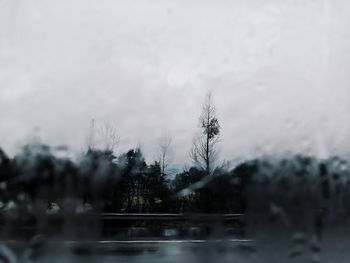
(279, 72)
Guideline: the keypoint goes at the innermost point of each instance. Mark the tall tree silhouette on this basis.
(165, 153)
(203, 152)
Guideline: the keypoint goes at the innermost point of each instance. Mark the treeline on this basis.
(37, 181)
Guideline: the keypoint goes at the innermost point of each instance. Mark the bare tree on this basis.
(203, 152)
(108, 135)
(165, 152)
(90, 140)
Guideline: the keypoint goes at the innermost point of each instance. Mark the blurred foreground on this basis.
(99, 209)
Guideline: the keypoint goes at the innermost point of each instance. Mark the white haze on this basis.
(278, 70)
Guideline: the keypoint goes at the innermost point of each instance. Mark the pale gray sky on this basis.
(279, 72)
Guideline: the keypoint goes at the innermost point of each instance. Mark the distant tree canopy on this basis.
(35, 179)
(5, 166)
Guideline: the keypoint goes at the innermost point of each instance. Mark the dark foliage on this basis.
(36, 179)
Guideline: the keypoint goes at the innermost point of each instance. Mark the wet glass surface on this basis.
(175, 131)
